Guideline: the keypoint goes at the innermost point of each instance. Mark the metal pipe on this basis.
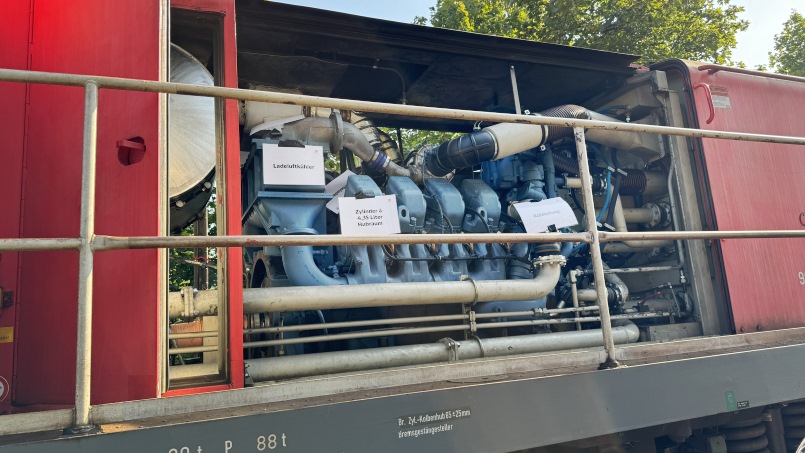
(315, 130)
(680, 251)
(368, 323)
(261, 300)
(297, 298)
(618, 247)
(534, 312)
(635, 215)
(392, 321)
(39, 244)
(354, 335)
(194, 350)
(448, 328)
(574, 294)
(103, 243)
(689, 235)
(203, 303)
(275, 368)
(595, 249)
(302, 270)
(713, 68)
(515, 92)
(83, 365)
(573, 183)
(620, 226)
(182, 336)
(587, 295)
(14, 75)
(540, 322)
(635, 270)
(618, 288)
(617, 285)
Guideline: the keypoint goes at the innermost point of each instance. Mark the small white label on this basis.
(537, 217)
(336, 187)
(721, 102)
(293, 166)
(720, 96)
(376, 215)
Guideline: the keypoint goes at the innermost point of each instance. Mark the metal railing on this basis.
(88, 243)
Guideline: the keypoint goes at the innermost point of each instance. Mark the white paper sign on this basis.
(376, 215)
(336, 187)
(293, 166)
(537, 217)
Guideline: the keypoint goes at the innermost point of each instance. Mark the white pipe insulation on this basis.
(513, 138)
(296, 298)
(293, 366)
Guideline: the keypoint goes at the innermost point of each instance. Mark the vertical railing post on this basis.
(83, 361)
(595, 248)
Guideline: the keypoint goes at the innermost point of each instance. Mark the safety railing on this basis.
(89, 243)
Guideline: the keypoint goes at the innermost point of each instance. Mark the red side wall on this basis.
(14, 32)
(758, 186)
(100, 37)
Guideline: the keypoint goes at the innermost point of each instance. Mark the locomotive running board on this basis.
(543, 400)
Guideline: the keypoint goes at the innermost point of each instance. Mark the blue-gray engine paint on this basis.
(440, 206)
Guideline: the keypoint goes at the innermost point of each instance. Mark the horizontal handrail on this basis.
(35, 244)
(14, 75)
(106, 243)
(713, 68)
(690, 235)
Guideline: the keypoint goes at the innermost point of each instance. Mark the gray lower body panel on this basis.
(489, 417)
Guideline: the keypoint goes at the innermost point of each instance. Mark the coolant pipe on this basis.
(297, 298)
(635, 215)
(680, 251)
(549, 170)
(324, 131)
(617, 292)
(261, 300)
(301, 268)
(620, 226)
(276, 368)
(506, 139)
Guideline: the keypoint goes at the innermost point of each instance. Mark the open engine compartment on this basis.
(357, 307)
(418, 303)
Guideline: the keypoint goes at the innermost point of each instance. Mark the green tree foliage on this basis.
(180, 273)
(789, 47)
(656, 29)
(413, 140)
(183, 262)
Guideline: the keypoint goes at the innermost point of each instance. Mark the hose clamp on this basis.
(550, 259)
(480, 345)
(188, 296)
(378, 163)
(467, 278)
(452, 348)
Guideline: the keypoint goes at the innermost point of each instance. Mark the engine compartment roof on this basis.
(325, 53)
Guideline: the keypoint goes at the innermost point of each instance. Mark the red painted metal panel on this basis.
(757, 186)
(118, 38)
(14, 32)
(233, 201)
